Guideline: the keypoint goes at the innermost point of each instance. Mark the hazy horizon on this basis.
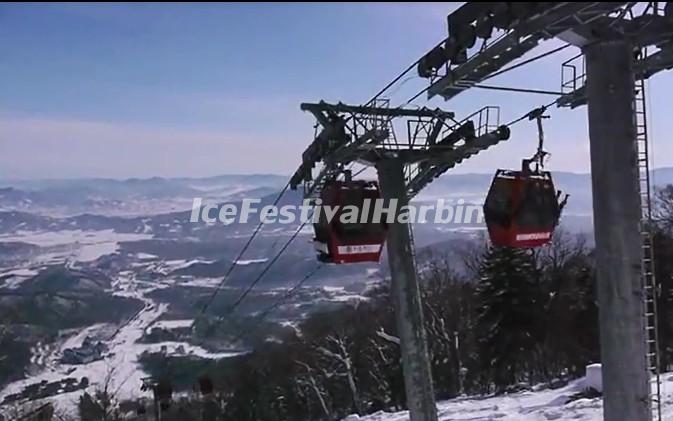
(251, 174)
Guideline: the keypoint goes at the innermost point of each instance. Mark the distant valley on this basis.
(119, 262)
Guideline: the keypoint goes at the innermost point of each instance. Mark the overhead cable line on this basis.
(259, 277)
(523, 63)
(529, 114)
(265, 313)
(521, 90)
(259, 226)
(373, 99)
(290, 292)
(240, 254)
(400, 76)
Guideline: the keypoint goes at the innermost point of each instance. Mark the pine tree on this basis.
(508, 316)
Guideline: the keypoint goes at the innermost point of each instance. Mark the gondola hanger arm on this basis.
(537, 115)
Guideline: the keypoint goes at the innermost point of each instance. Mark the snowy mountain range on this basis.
(131, 197)
(152, 196)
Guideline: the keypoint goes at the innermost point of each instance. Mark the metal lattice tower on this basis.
(650, 322)
(434, 142)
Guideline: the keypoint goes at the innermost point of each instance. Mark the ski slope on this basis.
(540, 405)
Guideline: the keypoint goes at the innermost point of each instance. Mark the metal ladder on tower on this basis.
(650, 322)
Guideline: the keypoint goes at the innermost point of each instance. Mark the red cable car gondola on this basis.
(522, 208)
(342, 242)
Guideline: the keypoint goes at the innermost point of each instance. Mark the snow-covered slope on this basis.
(542, 405)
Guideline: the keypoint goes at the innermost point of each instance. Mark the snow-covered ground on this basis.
(202, 282)
(14, 278)
(185, 349)
(73, 245)
(146, 256)
(20, 272)
(542, 405)
(173, 324)
(181, 263)
(250, 262)
(339, 294)
(120, 363)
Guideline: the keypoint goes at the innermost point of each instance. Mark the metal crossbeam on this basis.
(555, 18)
(644, 69)
(464, 139)
(374, 111)
(433, 143)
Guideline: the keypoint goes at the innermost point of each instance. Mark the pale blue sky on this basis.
(124, 90)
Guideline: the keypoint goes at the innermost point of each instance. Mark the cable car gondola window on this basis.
(537, 210)
(359, 230)
(349, 242)
(499, 201)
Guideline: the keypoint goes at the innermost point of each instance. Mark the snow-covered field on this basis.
(250, 262)
(339, 294)
(14, 278)
(73, 245)
(181, 263)
(542, 405)
(120, 363)
(185, 349)
(173, 324)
